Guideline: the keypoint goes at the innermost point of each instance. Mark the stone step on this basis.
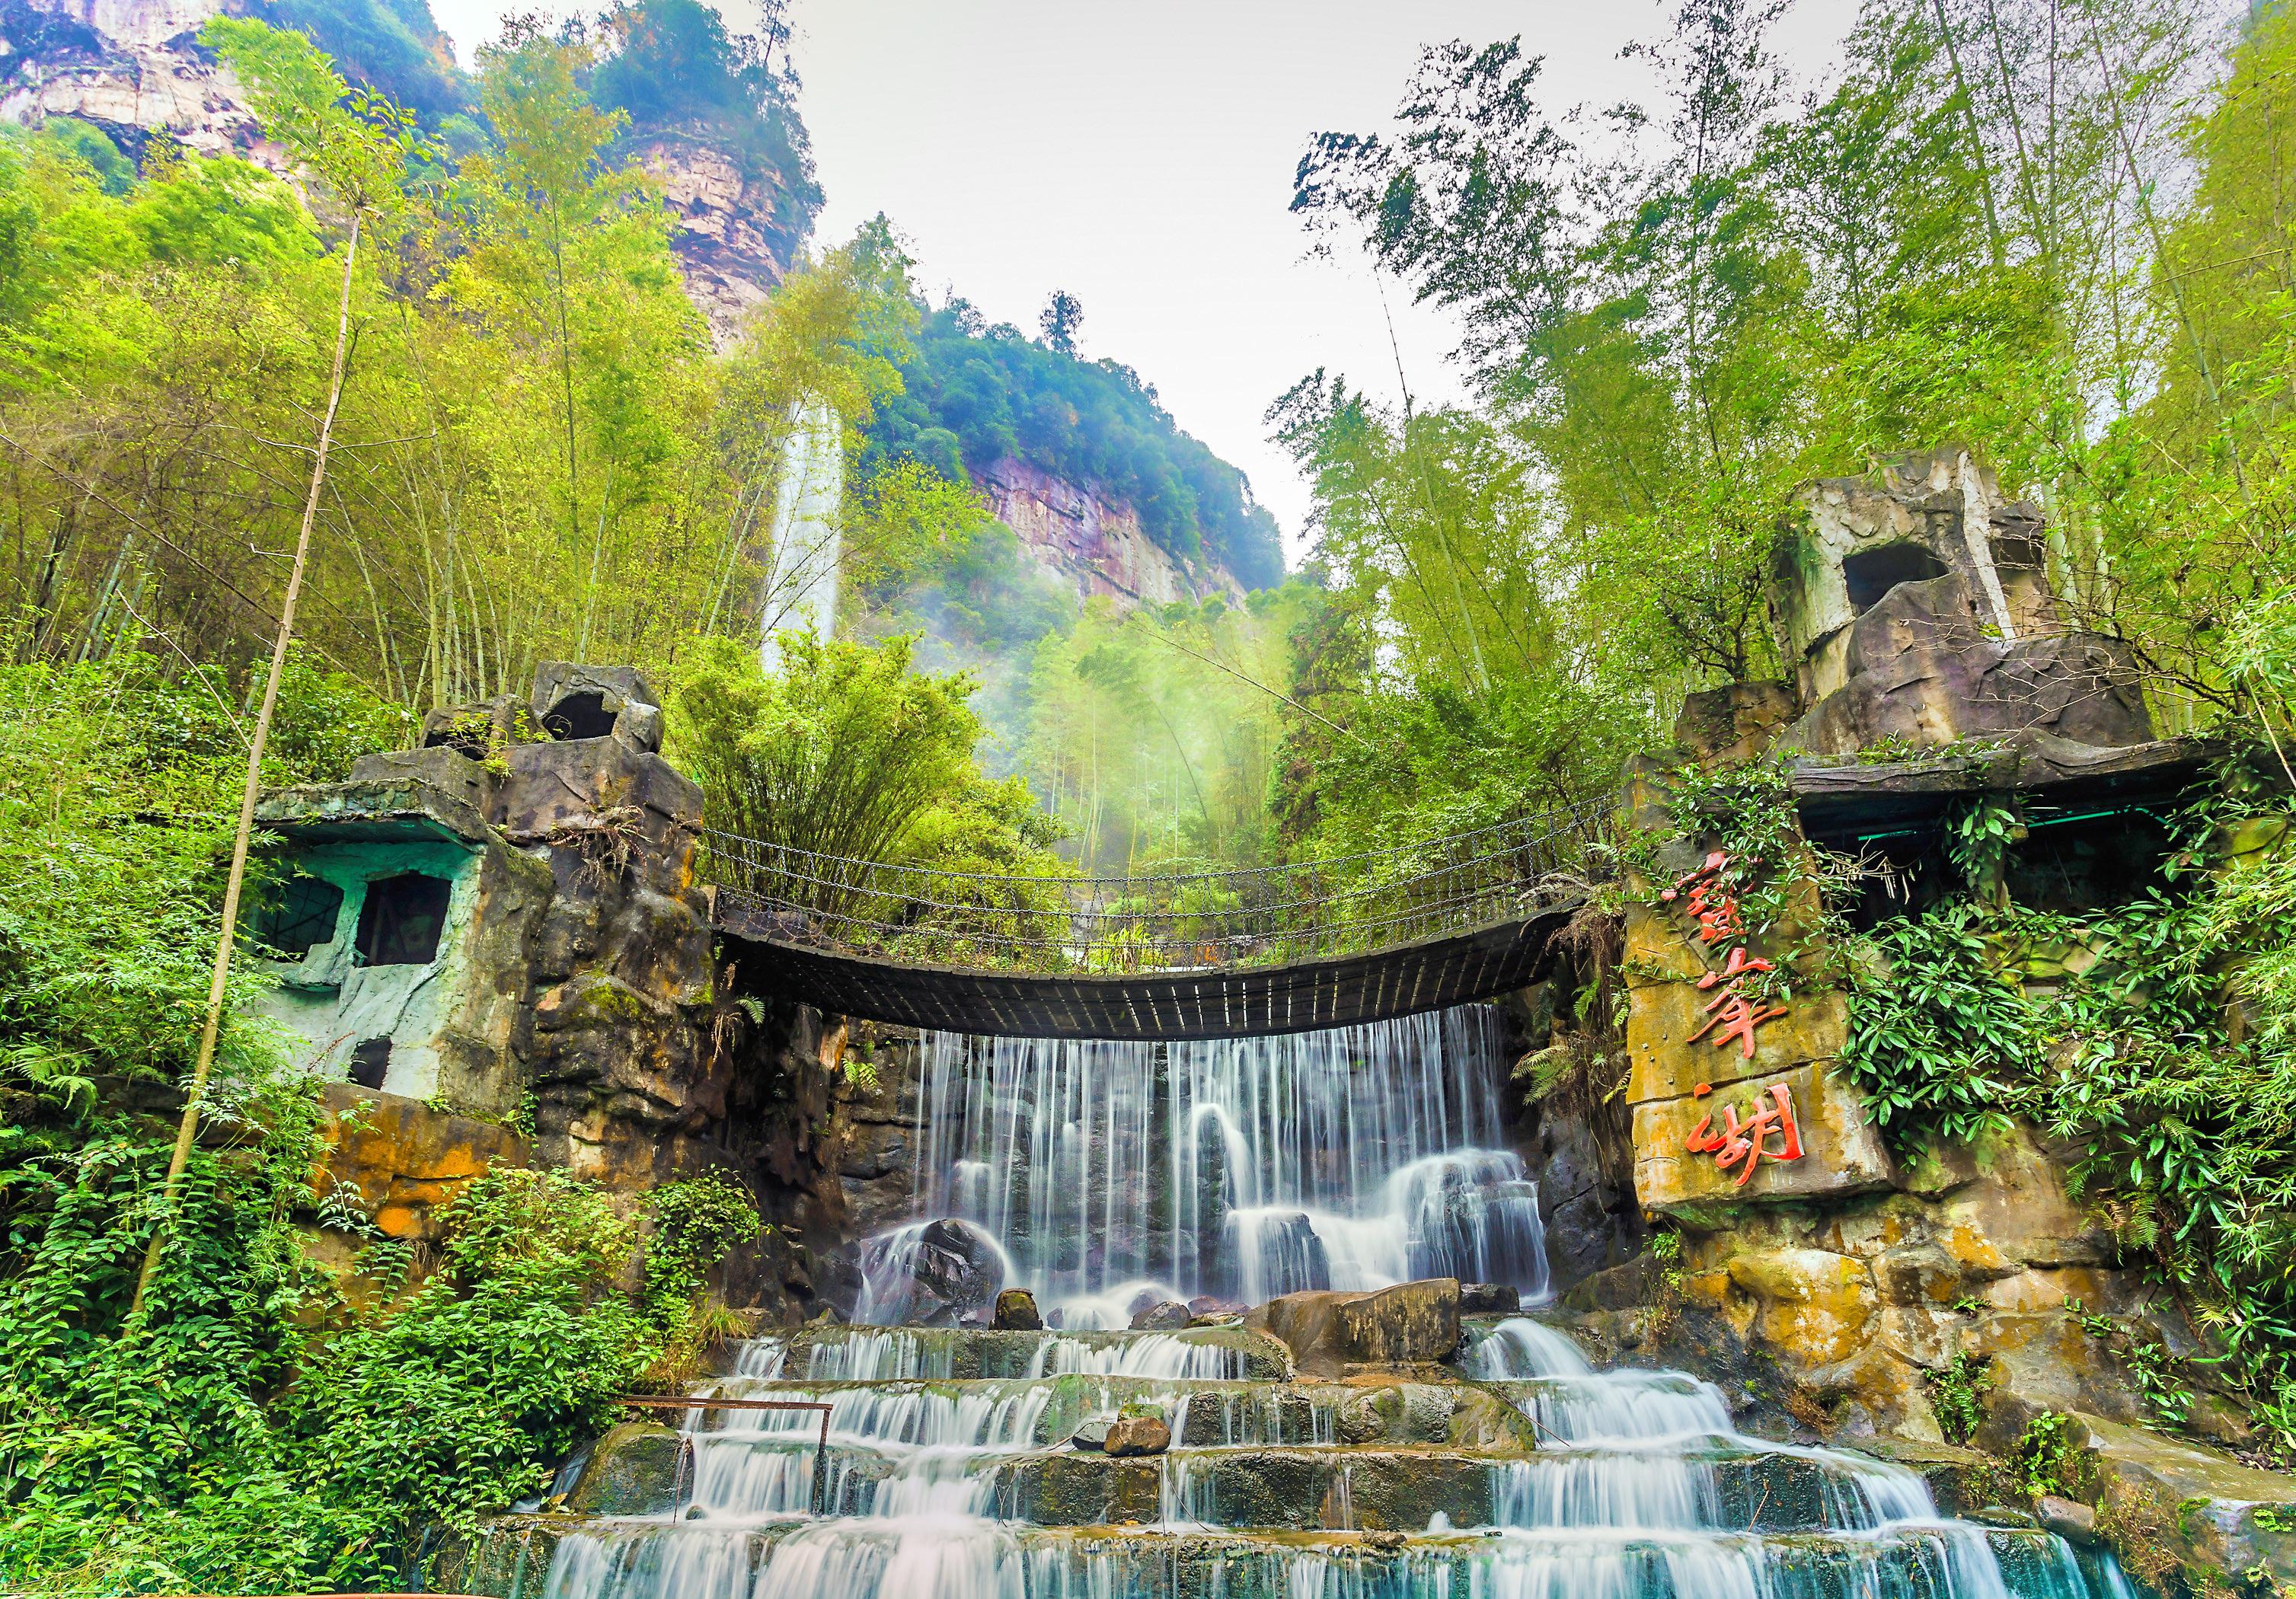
(1230, 1352)
(1203, 1412)
(1403, 1489)
(513, 1555)
(648, 1470)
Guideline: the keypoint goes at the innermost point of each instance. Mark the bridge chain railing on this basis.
(1084, 924)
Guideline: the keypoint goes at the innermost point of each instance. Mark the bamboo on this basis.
(226, 937)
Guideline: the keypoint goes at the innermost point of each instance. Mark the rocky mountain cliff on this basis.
(134, 69)
(1095, 542)
(130, 67)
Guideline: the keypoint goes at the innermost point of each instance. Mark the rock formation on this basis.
(131, 66)
(1834, 1288)
(1095, 543)
(724, 235)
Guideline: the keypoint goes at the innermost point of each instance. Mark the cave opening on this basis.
(1871, 574)
(402, 919)
(579, 716)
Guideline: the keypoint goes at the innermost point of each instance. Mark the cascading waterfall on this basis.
(1242, 1167)
(807, 536)
(950, 1473)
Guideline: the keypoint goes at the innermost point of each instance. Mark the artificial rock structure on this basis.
(1935, 667)
(503, 928)
(496, 940)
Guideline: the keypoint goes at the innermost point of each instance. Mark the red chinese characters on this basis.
(1731, 1016)
(1745, 1144)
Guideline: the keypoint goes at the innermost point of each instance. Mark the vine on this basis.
(2184, 1103)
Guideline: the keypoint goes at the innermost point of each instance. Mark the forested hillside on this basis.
(972, 396)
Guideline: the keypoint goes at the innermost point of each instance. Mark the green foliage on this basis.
(2156, 1370)
(695, 1223)
(673, 67)
(2046, 1455)
(268, 1427)
(969, 399)
(119, 787)
(1958, 1396)
(1153, 734)
(1977, 840)
(2186, 1108)
(392, 46)
(850, 755)
(83, 142)
(1941, 1044)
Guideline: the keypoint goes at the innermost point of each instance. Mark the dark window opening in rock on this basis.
(2070, 862)
(370, 1061)
(297, 916)
(579, 716)
(400, 922)
(1872, 573)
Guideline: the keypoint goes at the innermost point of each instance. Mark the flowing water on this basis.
(948, 1472)
(1241, 1168)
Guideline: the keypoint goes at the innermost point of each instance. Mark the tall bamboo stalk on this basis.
(188, 1129)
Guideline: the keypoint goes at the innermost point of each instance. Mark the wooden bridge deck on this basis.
(1210, 1003)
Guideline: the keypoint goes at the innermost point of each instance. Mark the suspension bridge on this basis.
(1277, 949)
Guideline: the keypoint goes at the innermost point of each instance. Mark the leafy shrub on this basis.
(1957, 1395)
(2183, 1104)
(119, 786)
(1940, 1043)
(264, 1430)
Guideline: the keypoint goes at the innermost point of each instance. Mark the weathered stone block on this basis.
(1328, 1331)
(1664, 1063)
(1841, 1153)
(1134, 1435)
(407, 1160)
(1816, 1306)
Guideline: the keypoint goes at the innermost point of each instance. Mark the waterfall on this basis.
(801, 582)
(1238, 1168)
(957, 1461)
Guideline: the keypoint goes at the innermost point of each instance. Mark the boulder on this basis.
(1165, 1315)
(2164, 1504)
(1137, 1435)
(1409, 1322)
(1091, 1432)
(2069, 1519)
(1016, 1312)
(1488, 1298)
(1211, 1305)
(1329, 1332)
(633, 1471)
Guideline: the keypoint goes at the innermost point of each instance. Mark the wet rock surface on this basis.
(1016, 1312)
(1330, 1332)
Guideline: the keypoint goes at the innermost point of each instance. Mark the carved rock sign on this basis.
(1745, 1144)
(1724, 1079)
(1716, 911)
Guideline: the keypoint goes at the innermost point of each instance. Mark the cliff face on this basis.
(129, 66)
(722, 238)
(1093, 543)
(133, 68)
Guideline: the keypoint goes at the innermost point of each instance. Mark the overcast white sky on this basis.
(1140, 156)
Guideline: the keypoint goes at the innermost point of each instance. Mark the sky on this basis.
(1140, 156)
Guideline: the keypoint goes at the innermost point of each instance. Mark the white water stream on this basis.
(1241, 1168)
(948, 1473)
